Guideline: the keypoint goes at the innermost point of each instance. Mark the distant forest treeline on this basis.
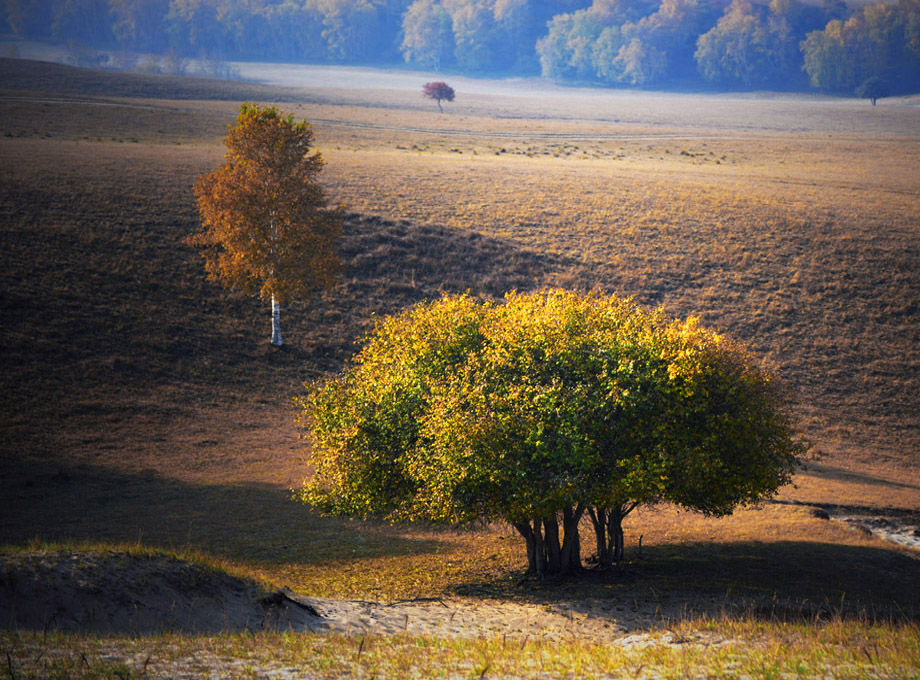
(727, 44)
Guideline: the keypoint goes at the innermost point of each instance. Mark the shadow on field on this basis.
(125, 305)
(258, 524)
(396, 263)
(776, 581)
(392, 265)
(105, 307)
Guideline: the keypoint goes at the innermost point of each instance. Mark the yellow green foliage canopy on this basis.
(541, 408)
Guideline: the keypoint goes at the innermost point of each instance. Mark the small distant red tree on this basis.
(438, 91)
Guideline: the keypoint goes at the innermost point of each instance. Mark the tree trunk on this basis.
(599, 520)
(539, 549)
(545, 555)
(615, 528)
(525, 531)
(615, 532)
(571, 544)
(551, 545)
(276, 322)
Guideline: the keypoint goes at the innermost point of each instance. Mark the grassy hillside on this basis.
(143, 404)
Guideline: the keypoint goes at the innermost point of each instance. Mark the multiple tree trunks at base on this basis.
(546, 556)
(608, 531)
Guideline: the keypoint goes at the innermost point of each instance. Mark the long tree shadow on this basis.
(257, 524)
(392, 265)
(129, 316)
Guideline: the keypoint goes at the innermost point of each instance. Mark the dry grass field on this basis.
(143, 406)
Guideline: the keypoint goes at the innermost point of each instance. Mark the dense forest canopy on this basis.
(724, 44)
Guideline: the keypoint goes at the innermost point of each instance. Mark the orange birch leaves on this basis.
(265, 227)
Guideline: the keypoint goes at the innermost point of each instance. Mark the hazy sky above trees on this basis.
(675, 44)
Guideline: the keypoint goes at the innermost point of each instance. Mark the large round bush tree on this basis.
(540, 409)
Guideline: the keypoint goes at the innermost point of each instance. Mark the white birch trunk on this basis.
(276, 323)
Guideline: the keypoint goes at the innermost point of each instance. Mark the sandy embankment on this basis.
(122, 593)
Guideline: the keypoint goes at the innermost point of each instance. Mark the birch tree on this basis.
(266, 229)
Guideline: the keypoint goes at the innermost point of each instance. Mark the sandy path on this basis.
(458, 617)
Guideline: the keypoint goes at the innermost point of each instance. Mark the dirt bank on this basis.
(120, 592)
